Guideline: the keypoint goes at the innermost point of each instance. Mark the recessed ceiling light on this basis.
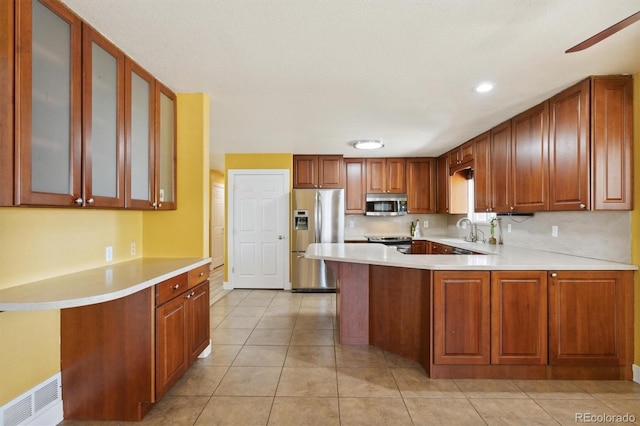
(484, 87)
(368, 144)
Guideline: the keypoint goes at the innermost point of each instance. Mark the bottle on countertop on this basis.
(416, 231)
(412, 229)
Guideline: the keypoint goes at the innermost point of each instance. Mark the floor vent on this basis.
(39, 405)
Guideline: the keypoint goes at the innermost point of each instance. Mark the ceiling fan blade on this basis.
(605, 33)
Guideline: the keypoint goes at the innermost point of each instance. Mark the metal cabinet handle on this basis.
(78, 201)
(582, 206)
(554, 275)
(201, 274)
(90, 201)
(177, 286)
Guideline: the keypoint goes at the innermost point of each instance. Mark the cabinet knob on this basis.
(582, 206)
(78, 201)
(154, 205)
(159, 205)
(90, 201)
(177, 286)
(554, 275)
(201, 274)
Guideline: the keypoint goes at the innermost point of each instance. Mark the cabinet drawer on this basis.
(170, 288)
(198, 275)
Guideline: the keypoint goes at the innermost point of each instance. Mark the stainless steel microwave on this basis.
(386, 204)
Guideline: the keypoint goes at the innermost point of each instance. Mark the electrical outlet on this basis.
(426, 223)
(352, 224)
(554, 231)
(509, 228)
(108, 254)
(133, 249)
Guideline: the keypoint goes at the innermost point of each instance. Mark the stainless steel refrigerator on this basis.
(318, 217)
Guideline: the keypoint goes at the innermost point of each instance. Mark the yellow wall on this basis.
(185, 232)
(217, 177)
(250, 161)
(635, 216)
(42, 243)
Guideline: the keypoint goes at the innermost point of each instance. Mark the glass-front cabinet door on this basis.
(6, 102)
(166, 148)
(48, 99)
(103, 122)
(140, 137)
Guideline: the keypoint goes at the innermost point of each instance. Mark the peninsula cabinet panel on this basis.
(421, 184)
(518, 317)
(442, 184)
(569, 149)
(48, 104)
(6, 102)
(355, 185)
(591, 318)
(529, 164)
(612, 142)
(501, 168)
(461, 317)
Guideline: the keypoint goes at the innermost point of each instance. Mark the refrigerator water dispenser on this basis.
(301, 220)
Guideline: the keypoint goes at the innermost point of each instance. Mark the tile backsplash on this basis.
(599, 235)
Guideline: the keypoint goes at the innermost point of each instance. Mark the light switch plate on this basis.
(554, 231)
(133, 249)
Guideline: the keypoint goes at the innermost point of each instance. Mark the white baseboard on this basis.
(227, 285)
(636, 373)
(206, 352)
(40, 405)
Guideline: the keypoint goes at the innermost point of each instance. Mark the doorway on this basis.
(217, 225)
(258, 229)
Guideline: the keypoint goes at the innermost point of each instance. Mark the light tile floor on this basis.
(275, 361)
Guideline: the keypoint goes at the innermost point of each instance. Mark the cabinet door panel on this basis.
(612, 142)
(376, 175)
(421, 185)
(140, 138)
(172, 358)
(355, 185)
(519, 317)
(589, 317)
(569, 149)
(330, 171)
(198, 320)
(49, 101)
(501, 168)
(529, 167)
(103, 129)
(396, 176)
(461, 318)
(305, 169)
(442, 183)
(482, 174)
(6, 102)
(165, 148)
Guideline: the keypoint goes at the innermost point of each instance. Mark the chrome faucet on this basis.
(472, 236)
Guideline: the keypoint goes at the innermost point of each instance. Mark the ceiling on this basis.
(309, 76)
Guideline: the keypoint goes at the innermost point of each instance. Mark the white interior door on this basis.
(259, 209)
(217, 225)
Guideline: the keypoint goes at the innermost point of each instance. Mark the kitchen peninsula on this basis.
(508, 313)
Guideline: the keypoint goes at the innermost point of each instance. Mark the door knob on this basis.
(281, 237)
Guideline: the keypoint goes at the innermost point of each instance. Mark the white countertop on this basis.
(95, 285)
(496, 257)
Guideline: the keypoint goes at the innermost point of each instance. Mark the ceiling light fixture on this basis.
(368, 144)
(484, 87)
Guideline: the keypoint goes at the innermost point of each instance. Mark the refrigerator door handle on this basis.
(318, 217)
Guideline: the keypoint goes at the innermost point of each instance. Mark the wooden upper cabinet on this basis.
(48, 104)
(590, 318)
(501, 168)
(386, 175)
(103, 121)
(461, 317)
(355, 185)
(165, 149)
(421, 185)
(317, 171)
(461, 157)
(569, 149)
(6, 102)
(529, 160)
(519, 317)
(139, 136)
(612, 142)
(482, 173)
(442, 184)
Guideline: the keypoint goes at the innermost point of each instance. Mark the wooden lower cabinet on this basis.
(461, 317)
(419, 247)
(591, 318)
(119, 357)
(518, 317)
(182, 333)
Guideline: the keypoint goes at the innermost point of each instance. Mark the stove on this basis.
(402, 244)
